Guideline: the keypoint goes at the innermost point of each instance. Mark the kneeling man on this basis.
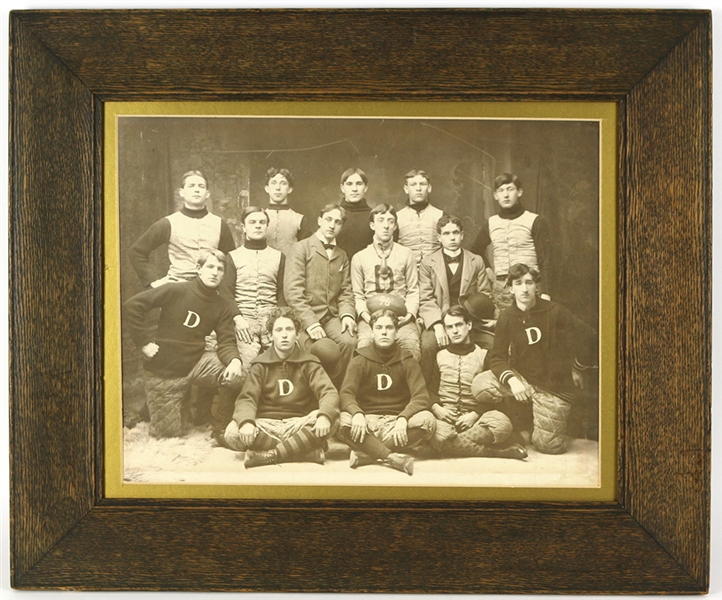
(466, 426)
(175, 354)
(288, 405)
(384, 402)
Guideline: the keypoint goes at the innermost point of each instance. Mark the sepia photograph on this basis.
(358, 301)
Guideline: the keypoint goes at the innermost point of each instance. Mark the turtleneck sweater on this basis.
(356, 232)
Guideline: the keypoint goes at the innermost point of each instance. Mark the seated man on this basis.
(175, 358)
(187, 232)
(254, 283)
(384, 401)
(288, 405)
(317, 286)
(385, 267)
(538, 354)
(445, 277)
(465, 426)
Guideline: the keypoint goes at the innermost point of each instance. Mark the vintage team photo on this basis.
(359, 301)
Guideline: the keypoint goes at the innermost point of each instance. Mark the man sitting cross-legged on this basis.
(288, 405)
(384, 401)
(465, 426)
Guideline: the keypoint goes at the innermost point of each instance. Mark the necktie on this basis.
(452, 259)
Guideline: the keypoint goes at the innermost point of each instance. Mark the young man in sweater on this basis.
(317, 286)
(465, 426)
(175, 354)
(385, 267)
(285, 225)
(384, 402)
(254, 283)
(444, 277)
(187, 232)
(355, 234)
(539, 352)
(516, 236)
(417, 220)
(288, 406)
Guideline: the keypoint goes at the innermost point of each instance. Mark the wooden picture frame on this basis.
(653, 539)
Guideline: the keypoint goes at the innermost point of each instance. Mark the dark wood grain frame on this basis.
(655, 64)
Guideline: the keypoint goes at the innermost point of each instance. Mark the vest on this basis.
(188, 237)
(256, 280)
(417, 230)
(512, 242)
(456, 373)
(283, 228)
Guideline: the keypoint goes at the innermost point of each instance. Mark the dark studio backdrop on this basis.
(557, 162)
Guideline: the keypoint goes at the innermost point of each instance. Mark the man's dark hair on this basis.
(273, 171)
(445, 220)
(282, 312)
(196, 172)
(415, 172)
(518, 271)
(384, 312)
(457, 311)
(354, 171)
(382, 209)
(329, 207)
(506, 178)
(253, 209)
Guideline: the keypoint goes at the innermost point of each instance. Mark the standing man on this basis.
(254, 283)
(444, 277)
(355, 234)
(187, 232)
(516, 236)
(384, 402)
(465, 426)
(385, 267)
(417, 220)
(288, 406)
(174, 354)
(317, 286)
(285, 226)
(538, 356)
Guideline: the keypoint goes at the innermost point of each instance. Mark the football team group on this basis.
(372, 325)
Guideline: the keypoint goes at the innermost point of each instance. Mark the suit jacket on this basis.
(434, 286)
(315, 286)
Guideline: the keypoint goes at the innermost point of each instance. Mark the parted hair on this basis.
(195, 172)
(381, 209)
(384, 312)
(457, 311)
(354, 171)
(253, 209)
(206, 254)
(445, 220)
(282, 312)
(518, 271)
(329, 207)
(506, 178)
(273, 171)
(415, 172)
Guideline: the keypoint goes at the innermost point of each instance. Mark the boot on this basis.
(317, 456)
(400, 462)
(513, 451)
(359, 459)
(257, 459)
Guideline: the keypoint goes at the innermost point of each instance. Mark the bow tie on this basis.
(452, 259)
(329, 246)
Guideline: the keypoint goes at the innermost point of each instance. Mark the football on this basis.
(390, 301)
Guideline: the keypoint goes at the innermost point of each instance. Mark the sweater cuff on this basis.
(506, 376)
